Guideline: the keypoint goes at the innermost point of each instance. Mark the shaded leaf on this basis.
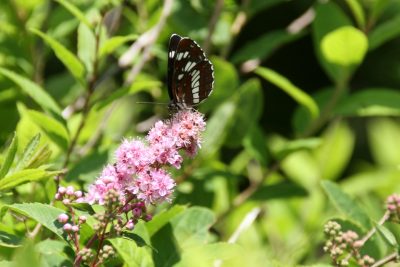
(255, 145)
(384, 32)
(71, 62)
(264, 46)
(282, 190)
(288, 87)
(9, 240)
(9, 158)
(163, 218)
(346, 205)
(86, 47)
(249, 99)
(51, 127)
(75, 11)
(38, 94)
(357, 11)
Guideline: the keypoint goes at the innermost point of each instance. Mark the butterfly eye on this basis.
(190, 73)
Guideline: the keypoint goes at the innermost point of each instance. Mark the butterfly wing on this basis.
(193, 75)
(173, 45)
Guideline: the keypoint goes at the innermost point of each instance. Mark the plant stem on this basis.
(388, 258)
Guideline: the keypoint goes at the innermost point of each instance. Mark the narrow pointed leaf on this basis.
(71, 62)
(41, 97)
(28, 153)
(75, 11)
(24, 176)
(9, 158)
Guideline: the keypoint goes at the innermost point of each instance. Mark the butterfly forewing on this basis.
(190, 73)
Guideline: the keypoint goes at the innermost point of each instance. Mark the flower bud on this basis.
(63, 218)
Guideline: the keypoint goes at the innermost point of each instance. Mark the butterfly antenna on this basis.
(154, 103)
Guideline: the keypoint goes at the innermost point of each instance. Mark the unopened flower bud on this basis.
(70, 190)
(67, 227)
(63, 218)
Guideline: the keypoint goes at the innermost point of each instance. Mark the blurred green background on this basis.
(305, 92)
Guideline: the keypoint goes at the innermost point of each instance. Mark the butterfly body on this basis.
(190, 73)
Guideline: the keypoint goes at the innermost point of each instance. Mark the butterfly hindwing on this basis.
(190, 73)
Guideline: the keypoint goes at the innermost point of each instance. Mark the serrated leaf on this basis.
(9, 158)
(41, 97)
(346, 205)
(113, 43)
(384, 32)
(75, 11)
(28, 153)
(71, 62)
(345, 46)
(288, 87)
(41, 213)
(387, 235)
(51, 127)
(24, 176)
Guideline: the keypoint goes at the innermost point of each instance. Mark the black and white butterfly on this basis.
(190, 73)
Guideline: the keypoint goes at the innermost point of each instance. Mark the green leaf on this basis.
(288, 87)
(370, 102)
(345, 46)
(161, 219)
(70, 61)
(114, 42)
(26, 255)
(264, 46)
(287, 148)
(9, 158)
(9, 240)
(335, 151)
(384, 32)
(328, 18)
(134, 254)
(41, 213)
(24, 176)
(75, 11)
(249, 99)
(28, 153)
(206, 255)
(191, 226)
(54, 130)
(53, 253)
(86, 47)
(383, 136)
(387, 235)
(35, 91)
(217, 126)
(346, 205)
(357, 11)
(255, 145)
(283, 190)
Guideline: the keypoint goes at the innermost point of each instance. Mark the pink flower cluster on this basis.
(139, 172)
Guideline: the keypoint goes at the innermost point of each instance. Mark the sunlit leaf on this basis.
(41, 213)
(28, 153)
(344, 46)
(86, 47)
(346, 205)
(24, 176)
(357, 11)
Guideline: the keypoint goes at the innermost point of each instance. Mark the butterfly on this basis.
(190, 73)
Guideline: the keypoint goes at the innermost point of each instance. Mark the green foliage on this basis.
(302, 127)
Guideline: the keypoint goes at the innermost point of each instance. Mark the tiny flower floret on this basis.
(140, 168)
